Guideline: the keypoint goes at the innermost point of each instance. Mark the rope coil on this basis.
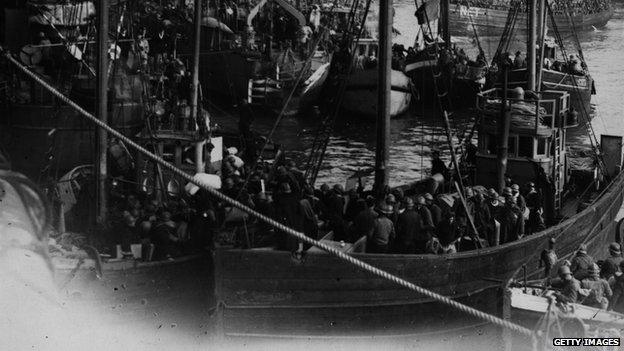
(300, 236)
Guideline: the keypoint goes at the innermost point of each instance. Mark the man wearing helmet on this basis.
(600, 291)
(383, 232)
(611, 264)
(568, 285)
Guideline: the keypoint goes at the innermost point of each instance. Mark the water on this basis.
(352, 145)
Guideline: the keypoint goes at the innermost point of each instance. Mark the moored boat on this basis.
(491, 21)
(361, 87)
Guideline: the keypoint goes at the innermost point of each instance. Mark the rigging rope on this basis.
(300, 236)
(585, 114)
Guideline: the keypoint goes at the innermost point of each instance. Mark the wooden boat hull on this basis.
(491, 22)
(360, 97)
(171, 291)
(257, 289)
(529, 305)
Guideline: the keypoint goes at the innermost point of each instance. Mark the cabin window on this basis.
(525, 146)
(492, 144)
(541, 146)
(511, 146)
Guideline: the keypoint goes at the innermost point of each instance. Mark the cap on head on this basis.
(338, 189)
(409, 202)
(614, 248)
(594, 269)
(530, 185)
(515, 187)
(582, 248)
(563, 270)
(385, 208)
(492, 194)
(428, 197)
(507, 191)
(420, 200)
(390, 199)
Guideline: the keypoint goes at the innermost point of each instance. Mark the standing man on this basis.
(383, 231)
(581, 263)
(410, 236)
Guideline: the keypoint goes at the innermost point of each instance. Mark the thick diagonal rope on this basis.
(300, 236)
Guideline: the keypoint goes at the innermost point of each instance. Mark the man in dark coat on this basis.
(482, 216)
(581, 263)
(335, 212)
(611, 264)
(436, 211)
(425, 215)
(288, 212)
(410, 236)
(617, 300)
(447, 233)
(383, 232)
(364, 222)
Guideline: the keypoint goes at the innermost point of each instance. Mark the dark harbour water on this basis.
(413, 135)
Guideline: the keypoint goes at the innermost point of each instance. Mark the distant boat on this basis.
(360, 96)
(491, 22)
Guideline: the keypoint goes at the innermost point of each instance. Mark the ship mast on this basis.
(382, 150)
(531, 47)
(195, 109)
(102, 113)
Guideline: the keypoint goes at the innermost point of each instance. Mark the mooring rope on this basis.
(300, 236)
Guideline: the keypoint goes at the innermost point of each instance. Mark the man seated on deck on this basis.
(600, 291)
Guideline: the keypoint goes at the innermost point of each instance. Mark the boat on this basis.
(240, 63)
(361, 89)
(531, 303)
(261, 291)
(557, 72)
(432, 67)
(491, 21)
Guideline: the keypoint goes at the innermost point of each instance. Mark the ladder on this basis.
(558, 164)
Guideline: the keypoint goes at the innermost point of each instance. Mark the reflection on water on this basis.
(352, 146)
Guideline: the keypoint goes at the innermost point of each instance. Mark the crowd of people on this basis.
(392, 222)
(598, 284)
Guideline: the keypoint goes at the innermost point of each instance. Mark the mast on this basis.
(195, 115)
(445, 5)
(102, 113)
(542, 39)
(531, 47)
(382, 149)
(503, 131)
